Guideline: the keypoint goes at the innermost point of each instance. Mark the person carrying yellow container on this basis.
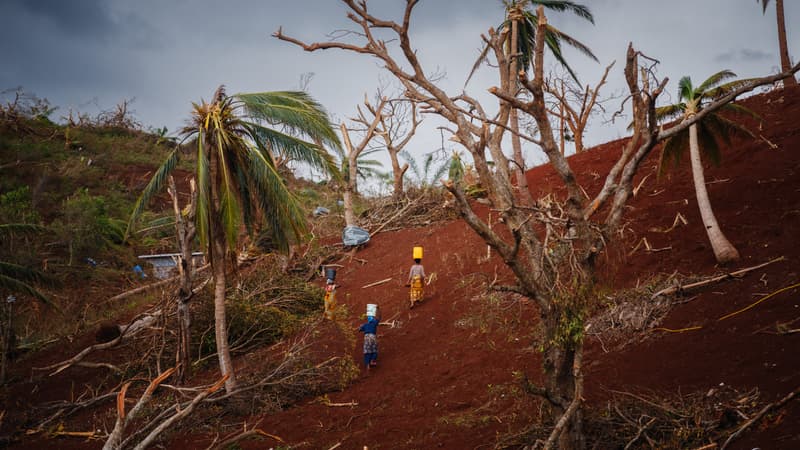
(329, 301)
(416, 278)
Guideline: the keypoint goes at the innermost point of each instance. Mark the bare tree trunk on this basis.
(561, 130)
(724, 251)
(185, 232)
(525, 197)
(784, 47)
(397, 172)
(559, 367)
(350, 183)
(6, 328)
(519, 161)
(578, 137)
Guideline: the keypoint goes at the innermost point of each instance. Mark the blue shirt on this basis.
(371, 327)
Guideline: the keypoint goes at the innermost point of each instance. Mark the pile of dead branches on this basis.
(419, 208)
(292, 371)
(626, 316)
(701, 420)
(694, 421)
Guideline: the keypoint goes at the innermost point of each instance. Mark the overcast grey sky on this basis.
(85, 54)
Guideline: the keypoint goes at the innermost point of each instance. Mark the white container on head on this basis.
(372, 310)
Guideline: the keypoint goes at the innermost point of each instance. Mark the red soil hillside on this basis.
(450, 369)
(447, 374)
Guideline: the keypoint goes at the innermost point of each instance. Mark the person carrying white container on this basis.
(370, 330)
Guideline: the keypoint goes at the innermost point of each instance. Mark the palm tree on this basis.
(16, 279)
(428, 174)
(521, 21)
(784, 47)
(365, 168)
(237, 139)
(520, 42)
(706, 132)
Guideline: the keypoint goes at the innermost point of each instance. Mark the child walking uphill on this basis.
(416, 278)
(370, 330)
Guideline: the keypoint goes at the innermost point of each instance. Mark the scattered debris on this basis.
(353, 236)
(376, 283)
(648, 247)
(738, 273)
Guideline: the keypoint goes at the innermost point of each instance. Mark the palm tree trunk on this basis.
(784, 47)
(218, 249)
(220, 321)
(724, 251)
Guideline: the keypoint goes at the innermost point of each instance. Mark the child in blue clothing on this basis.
(370, 330)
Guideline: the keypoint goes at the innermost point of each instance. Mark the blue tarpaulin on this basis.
(352, 236)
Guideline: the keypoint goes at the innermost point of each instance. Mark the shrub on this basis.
(16, 206)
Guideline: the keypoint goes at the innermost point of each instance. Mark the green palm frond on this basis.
(669, 112)
(455, 171)
(715, 80)
(230, 212)
(19, 279)
(155, 186)
(764, 4)
(11, 228)
(294, 110)
(412, 163)
(740, 109)
(269, 140)
(526, 43)
(673, 151)
(203, 177)
(238, 138)
(713, 128)
(572, 42)
(685, 89)
(725, 128)
(273, 198)
(439, 173)
(727, 88)
(526, 34)
(368, 168)
(566, 6)
(708, 142)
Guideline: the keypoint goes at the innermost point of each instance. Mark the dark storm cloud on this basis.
(88, 18)
(744, 54)
(77, 49)
(167, 54)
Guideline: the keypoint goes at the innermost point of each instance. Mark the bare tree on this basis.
(397, 133)
(367, 124)
(783, 47)
(551, 247)
(574, 106)
(185, 233)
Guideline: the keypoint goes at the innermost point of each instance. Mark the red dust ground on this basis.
(449, 369)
